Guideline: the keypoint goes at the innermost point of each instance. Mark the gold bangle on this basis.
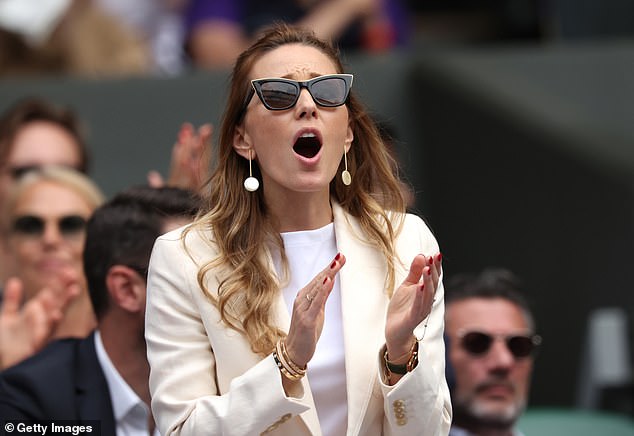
(280, 366)
(293, 365)
(408, 353)
(282, 361)
(282, 369)
(413, 359)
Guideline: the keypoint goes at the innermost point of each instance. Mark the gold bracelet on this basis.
(401, 369)
(293, 365)
(280, 366)
(282, 361)
(413, 360)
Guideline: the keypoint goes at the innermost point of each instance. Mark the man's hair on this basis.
(123, 231)
(490, 283)
(33, 109)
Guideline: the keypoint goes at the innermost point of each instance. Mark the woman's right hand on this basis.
(307, 319)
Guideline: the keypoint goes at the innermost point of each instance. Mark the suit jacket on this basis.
(205, 379)
(62, 382)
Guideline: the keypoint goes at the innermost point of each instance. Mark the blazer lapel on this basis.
(92, 394)
(363, 301)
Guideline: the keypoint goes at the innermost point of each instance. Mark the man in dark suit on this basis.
(103, 377)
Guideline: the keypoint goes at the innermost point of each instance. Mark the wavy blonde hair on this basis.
(239, 222)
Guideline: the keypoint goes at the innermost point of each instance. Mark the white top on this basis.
(131, 414)
(308, 253)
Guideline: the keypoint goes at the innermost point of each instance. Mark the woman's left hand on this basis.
(411, 304)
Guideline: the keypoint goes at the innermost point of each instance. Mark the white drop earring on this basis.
(345, 175)
(251, 184)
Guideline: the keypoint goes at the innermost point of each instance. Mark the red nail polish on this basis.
(332, 265)
(337, 256)
(325, 280)
(439, 257)
(422, 287)
(429, 272)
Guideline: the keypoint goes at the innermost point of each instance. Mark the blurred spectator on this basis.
(218, 30)
(42, 233)
(35, 133)
(490, 334)
(159, 23)
(66, 37)
(104, 377)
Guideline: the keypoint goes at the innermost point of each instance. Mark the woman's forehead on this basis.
(293, 61)
(50, 198)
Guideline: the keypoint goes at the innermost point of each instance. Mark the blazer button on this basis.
(399, 412)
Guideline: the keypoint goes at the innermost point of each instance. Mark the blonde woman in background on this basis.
(43, 231)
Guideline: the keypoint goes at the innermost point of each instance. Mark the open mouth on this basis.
(307, 145)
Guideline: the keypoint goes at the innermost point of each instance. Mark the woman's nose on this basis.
(306, 106)
(51, 234)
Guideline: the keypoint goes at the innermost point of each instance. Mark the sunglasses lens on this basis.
(34, 226)
(520, 346)
(71, 225)
(332, 91)
(279, 95)
(476, 342)
(28, 225)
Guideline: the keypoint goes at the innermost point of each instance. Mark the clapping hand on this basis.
(25, 329)
(411, 303)
(189, 165)
(307, 320)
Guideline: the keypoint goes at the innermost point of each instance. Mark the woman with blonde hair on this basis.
(304, 300)
(43, 231)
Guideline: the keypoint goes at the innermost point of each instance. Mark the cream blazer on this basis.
(205, 380)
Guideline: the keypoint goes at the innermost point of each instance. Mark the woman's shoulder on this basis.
(194, 240)
(414, 228)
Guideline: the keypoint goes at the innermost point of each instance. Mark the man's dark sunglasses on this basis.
(279, 94)
(31, 225)
(479, 343)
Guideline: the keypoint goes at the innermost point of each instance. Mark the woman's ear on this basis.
(242, 143)
(349, 138)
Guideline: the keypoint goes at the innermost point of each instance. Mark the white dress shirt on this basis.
(131, 414)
